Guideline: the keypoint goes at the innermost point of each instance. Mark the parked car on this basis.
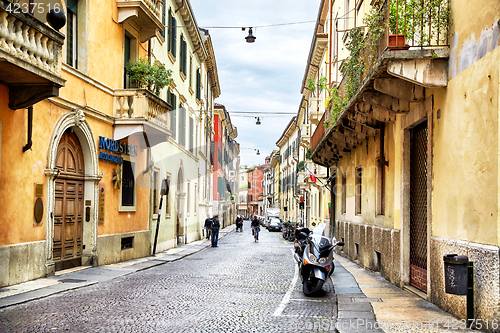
(274, 224)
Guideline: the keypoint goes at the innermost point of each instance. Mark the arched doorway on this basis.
(69, 202)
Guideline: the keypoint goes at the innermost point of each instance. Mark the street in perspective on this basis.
(263, 166)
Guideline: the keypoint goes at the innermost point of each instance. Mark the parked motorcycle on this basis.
(314, 255)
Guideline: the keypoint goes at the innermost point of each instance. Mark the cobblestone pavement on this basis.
(239, 286)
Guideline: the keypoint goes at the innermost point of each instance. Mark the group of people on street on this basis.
(212, 226)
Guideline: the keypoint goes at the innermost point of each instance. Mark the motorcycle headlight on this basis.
(312, 258)
(322, 261)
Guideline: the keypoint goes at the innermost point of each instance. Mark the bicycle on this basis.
(255, 232)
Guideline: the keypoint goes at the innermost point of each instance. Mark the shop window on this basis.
(358, 190)
(128, 190)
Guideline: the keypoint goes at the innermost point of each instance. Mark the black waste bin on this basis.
(455, 274)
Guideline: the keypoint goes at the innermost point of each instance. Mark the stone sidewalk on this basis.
(366, 301)
(365, 298)
(83, 276)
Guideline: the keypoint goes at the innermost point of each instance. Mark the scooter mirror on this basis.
(340, 244)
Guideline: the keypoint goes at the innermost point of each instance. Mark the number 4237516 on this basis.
(35, 7)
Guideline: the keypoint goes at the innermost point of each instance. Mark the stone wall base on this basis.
(109, 249)
(22, 262)
(375, 248)
(486, 261)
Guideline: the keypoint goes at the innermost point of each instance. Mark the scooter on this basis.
(314, 255)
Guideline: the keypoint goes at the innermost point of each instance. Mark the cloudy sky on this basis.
(265, 76)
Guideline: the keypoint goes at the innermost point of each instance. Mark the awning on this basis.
(148, 133)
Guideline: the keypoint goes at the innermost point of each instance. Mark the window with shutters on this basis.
(380, 189)
(172, 34)
(344, 193)
(191, 135)
(72, 33)
(163, 20)
(358, 190)
(182, 126)
(198, 84)
(172, 100)
(183, 55)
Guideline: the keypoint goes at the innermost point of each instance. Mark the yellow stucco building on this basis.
(414, 143)
(79, 182)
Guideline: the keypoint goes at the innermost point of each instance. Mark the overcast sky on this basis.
(265, 76)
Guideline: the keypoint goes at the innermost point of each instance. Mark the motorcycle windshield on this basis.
(318, 230)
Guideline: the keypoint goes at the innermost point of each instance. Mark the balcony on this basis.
(393, 80)
(305, 136)
(146, 14)
(139, 110)
(30, 58)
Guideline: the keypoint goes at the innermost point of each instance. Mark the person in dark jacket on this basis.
(215, 230)
(208, 226)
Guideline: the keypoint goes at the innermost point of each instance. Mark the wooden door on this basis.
(68, 210)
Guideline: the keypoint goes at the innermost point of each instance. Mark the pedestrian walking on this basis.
(255, 228)
(215, 230)
(208, 226)
(239, 224)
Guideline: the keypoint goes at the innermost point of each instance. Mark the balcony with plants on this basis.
(30, 57)
(141, 104)
(146, 14)
(381, 77)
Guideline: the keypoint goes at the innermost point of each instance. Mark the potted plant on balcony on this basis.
(145, 75)
(400, 22)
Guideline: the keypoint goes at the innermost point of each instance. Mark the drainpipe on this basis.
(180, 7)
(381, 158)
(30, 129)
(331, 46)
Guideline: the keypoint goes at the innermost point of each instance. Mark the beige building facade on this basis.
(413, 144)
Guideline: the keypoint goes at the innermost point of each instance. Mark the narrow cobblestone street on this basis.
(240, 286)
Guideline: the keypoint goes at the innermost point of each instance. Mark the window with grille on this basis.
(358, 190)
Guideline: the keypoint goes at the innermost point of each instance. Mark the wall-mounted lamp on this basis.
(258, 121)
(250, 38)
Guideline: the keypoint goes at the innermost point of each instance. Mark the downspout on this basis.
(333, 198)
(30, 129)
(180, 7)
(331, 47)
(381, 158)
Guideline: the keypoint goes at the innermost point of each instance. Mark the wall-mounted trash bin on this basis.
(455, 274)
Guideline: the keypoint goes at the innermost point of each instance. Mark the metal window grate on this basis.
(418, 199)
